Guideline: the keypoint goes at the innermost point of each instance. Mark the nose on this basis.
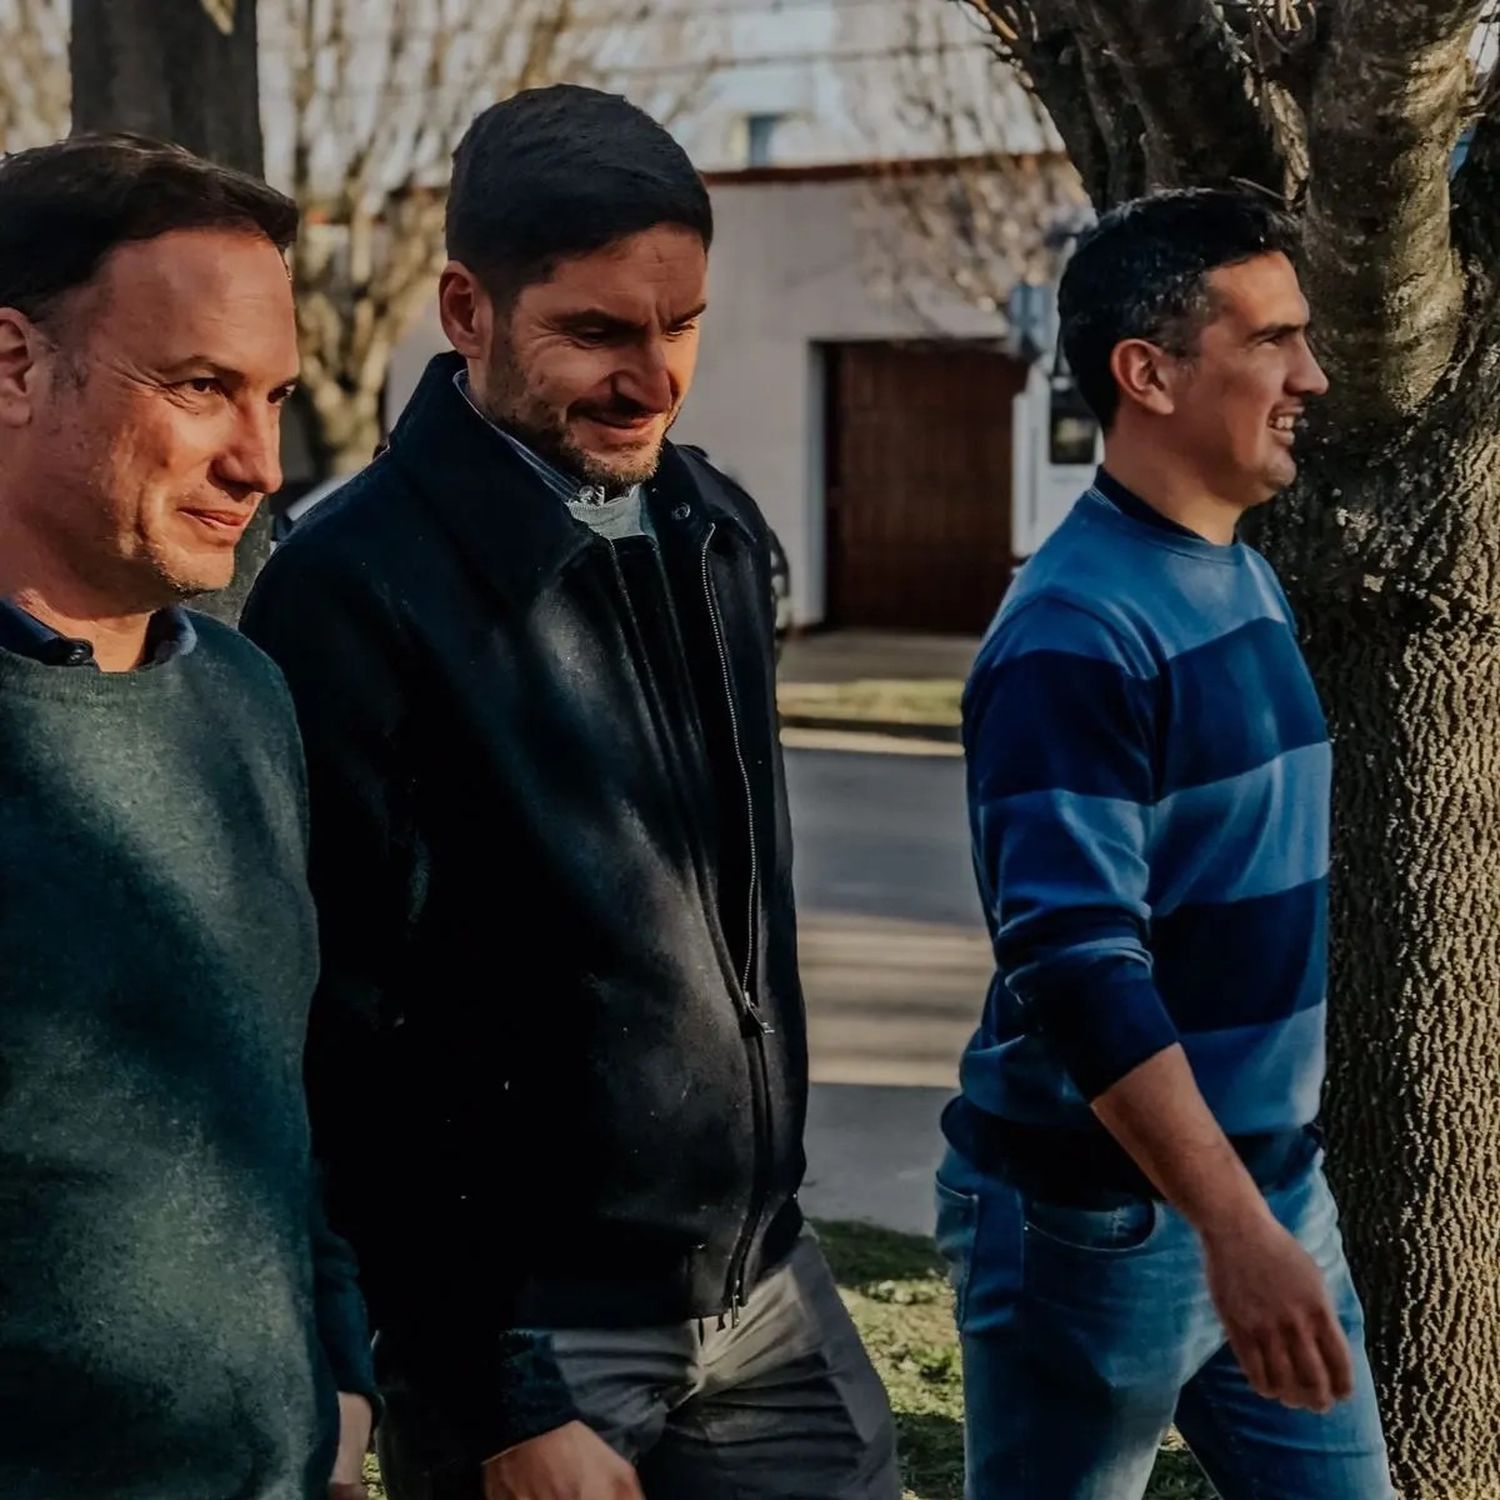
(647, 380)
(251, 461)
(1308, 378)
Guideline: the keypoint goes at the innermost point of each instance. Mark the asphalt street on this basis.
(882, 835)
(895, 963)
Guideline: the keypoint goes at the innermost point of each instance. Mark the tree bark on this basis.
(165, 68)
(170, 69)
(1389, 561)
(345, 427)
(1381, 268)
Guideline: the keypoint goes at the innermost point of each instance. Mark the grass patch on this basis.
(898, 1295)
(933, 703)
(896, 1289)
(897, 1292)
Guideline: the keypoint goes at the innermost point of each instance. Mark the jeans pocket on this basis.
(957, 1225)
(1116, 1230)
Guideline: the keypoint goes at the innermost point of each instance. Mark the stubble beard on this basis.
(511, 404)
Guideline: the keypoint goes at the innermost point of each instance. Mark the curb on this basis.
(948, 734)
(863, 743)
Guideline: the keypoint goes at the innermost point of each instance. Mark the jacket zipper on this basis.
(744, 770)
(757, 1027)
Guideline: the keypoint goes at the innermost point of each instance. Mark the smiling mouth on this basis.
(641, 421)
(223, 522)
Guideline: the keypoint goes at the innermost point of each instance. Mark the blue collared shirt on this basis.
(169, 635)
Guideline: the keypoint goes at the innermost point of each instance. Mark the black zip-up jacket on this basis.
(558, 1060)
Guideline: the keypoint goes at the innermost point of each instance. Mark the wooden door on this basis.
(918, 446)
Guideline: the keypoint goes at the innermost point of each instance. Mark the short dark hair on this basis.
(554, 173)
(1140, 273)
(65, 207)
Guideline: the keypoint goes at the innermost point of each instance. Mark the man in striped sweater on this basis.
(1133, 1200)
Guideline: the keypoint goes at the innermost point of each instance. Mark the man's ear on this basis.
(22, 348)
(1140, 372)
(466, 309)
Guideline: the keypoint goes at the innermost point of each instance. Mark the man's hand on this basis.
(1267, 1289)
(570, 1463)
(355, 1421)
(1275, 1307)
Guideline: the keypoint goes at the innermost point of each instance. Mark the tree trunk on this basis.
(164, 68)
(346, 426)
(1389, 560)
(170, 69)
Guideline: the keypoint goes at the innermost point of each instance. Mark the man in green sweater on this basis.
(176, 1322)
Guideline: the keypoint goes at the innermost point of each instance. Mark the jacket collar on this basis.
(491, 503)
(496, 506)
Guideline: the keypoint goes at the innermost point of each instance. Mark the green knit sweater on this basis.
(175, 1320)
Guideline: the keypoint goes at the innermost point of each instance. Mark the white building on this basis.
(895, 437)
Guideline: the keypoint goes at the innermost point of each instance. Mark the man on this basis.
(531, 649)
(1133, 1201)
(175, 1321)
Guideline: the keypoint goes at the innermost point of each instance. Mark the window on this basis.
(760, 137)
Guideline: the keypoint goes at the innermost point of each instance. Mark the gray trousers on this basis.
(783, 1406)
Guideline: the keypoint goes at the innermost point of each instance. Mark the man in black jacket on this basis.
(531, 649)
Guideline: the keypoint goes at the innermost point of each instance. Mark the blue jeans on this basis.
(1087, 1332)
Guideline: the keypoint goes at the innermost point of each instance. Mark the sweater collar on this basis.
(1128, 503)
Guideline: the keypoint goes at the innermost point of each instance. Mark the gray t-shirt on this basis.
(614, 519)
(624, 516)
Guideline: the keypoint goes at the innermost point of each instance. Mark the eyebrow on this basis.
(597, 315)
(1275, 330)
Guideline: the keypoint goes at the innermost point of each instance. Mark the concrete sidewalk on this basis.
(895, 962)
(891, 1002)
(890, 1005)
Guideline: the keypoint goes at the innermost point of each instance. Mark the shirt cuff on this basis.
(1103, 1021)
(497, 1394)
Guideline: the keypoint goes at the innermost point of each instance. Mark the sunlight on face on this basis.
(158, 430)
(1240, 395)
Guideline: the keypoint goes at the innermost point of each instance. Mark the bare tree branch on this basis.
(1115, 112)
(1171, 93)
(1282, 39)
(1106, 155)
(1381, 265)
(1192, 86)
(975, 203)
(1075, 82)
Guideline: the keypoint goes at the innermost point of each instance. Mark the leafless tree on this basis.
(1350, 110)
(364, 101)
(975, 193)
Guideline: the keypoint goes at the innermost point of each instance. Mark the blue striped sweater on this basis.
(1149, 786)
